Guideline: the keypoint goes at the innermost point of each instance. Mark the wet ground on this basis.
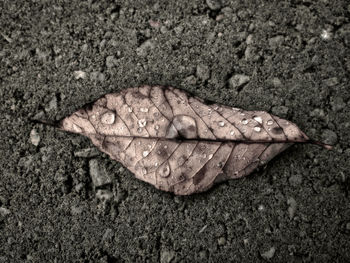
(291, 58)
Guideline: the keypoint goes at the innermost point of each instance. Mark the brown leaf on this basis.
(177, 142)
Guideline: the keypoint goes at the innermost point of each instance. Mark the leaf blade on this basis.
(176, 142)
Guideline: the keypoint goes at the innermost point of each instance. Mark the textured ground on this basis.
(291, 58)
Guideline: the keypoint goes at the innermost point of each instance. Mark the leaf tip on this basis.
(324, 145)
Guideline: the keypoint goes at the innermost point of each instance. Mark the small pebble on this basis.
(111, 61)
(98, 174)
(221, 241)
(4, 211)
(269, 254)
(337, 103)
(296, 179)
(78, 74)
(143, 49)
(214, 4)
(292, 207)
(34, 137)
(331, 81)
(97, 76)
(276, 41)
(52, 104)
(238, 80)
(87, 153)
(166, 256)
(104, 195)
(329, 137)
(348, 226)
(108, 234)
(203, 72)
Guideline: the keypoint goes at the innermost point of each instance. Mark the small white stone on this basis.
(269, 122)
(144, 109)
(232, 132)
(34, 137)
(326, 34)
(221, 123)
(145, 153)
(129, 109)
(156, 127)
(210, 156)
(79, 74)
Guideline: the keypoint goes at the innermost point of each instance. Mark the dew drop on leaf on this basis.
(244, 121)
(257, 129)
(108, 118)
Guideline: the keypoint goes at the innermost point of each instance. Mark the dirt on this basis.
(291, 58)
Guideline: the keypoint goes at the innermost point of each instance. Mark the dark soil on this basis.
(292, 58)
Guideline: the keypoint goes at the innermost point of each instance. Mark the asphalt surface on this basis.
(290, 58)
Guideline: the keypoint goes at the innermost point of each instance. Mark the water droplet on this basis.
(232, 132)
(244, 121)
(108, 118)
(220, 164)
(257, 129)
(156, 127)
(164, 171)
(144, 109)
(145, 153)
(210, 156)
(129, 109)
(144, 171)
(139, 130)
(142, 123)
(221, 123)
(269, 122)
(258, 119)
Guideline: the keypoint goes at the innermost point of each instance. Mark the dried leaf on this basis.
(177, 142)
